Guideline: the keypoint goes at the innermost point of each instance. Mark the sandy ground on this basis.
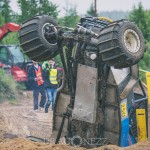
(18, 121)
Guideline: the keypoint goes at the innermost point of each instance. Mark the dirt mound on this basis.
(20, 121)
(24, 144)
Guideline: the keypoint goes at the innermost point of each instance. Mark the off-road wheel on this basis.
(34, 39)
(121, 44)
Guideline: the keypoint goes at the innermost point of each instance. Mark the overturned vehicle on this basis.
(101, 99)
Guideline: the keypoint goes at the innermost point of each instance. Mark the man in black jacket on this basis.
(35, 77)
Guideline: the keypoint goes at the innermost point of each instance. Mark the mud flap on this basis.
(141, 125)
(86, 100)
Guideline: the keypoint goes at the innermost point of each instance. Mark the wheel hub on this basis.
(49, 28)
(131, 40)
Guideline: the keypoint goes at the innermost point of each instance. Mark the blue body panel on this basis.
(125, 139)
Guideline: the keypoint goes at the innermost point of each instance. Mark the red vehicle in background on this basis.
(11, 56)
(8, 27)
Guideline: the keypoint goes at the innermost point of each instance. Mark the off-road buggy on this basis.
(101, 96)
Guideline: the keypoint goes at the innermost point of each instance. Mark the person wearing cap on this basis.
(51, 82)
(35, 77)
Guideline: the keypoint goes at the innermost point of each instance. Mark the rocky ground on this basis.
(19, 121)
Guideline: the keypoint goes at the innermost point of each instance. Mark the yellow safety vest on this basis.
(53, 76)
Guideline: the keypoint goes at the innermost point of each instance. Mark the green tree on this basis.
(33, 9)
(145, 62)
(48, 8)
(6, 10)
(71, 17)
(91, 11)
(2, 20)
(141, 17)
(30, 8)
(11, 38)
(24, 7)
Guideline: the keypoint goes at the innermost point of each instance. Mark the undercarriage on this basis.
(101, 94)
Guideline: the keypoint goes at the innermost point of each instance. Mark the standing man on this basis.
(37, 83)
(51, 83)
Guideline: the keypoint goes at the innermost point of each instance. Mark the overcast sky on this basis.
(102, 5)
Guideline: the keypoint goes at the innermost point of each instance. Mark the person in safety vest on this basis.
(51, 82)
(35, 77)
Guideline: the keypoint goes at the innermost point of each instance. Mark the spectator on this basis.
(51, 83)
(35, 77)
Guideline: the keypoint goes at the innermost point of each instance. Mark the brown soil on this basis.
(20, 119)
(17, 121)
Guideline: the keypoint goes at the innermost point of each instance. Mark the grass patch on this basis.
(13, 101)
(20, 86)
(7, 86)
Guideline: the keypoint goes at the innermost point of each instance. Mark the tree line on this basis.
(29, 8)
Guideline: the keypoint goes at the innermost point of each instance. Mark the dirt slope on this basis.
(24, 144)
(20, 120)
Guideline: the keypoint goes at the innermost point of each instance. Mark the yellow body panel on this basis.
(141, 125)
(148, 85)
(105, 18)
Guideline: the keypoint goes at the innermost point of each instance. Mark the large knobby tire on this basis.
(33, 41)
(121, 44)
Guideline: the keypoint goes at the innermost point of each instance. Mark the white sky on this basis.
(102, 5)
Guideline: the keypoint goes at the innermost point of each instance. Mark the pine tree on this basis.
(6, 10)
(71, 17)
(2, 20)
(141, 17)
(30, 8)
(48, 8)
(24, 7)
(34, 8)
(91, 11)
